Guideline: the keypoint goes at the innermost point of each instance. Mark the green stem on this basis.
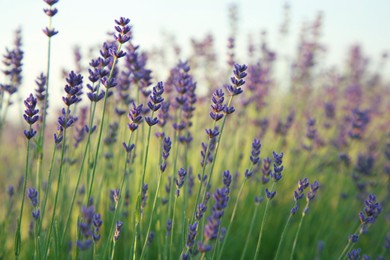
(101, 126)
(249, 232)
(152, 213)
(58, 185)
(18, 238)
(282, 236)
(172, 230)
(262, 224)
(297, 234)
(92, 115)
(47, 188)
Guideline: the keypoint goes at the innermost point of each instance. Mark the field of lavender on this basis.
(214, 161)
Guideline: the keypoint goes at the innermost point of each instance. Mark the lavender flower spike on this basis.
(155, 102)
(30, 115)
(237, 80)
(118, 229)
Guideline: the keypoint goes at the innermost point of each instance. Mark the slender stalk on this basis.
(202, 177)
(249, 232)
(282, 237)
(216, 149)
(101, 126)
(92, 115)
(296, 235)
(151, 214)
(47, 188)
(18, 238)
(172, 230)
(116, 210)
(58, 186)
(262, 224)
(142, 183)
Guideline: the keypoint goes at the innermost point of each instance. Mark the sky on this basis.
(86, 22)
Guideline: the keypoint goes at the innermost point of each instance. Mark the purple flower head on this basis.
(73, 89)
(353, 238)
(118, 229)
(11, 190)
(200, 210)
(212, 133)
(311, 130)
(270, 194)
(217, 106)
(294, 210)
(192, 231)
(36, 213)
(255, 154)
(51, 2)
(33, 196)
(237, 80)
(50, 32)
(227, 178)
(41, 83)
(313, 191)
(304, 183)
(372, 210)
(180, 180)
(97, 223)
(155, 98)
(167, 143)
(169, 227)
(135, 116)
(123, 29)
(278, 167)
(66, 120)
(354, 254)
(109, 83)
(30, 115)
(59, 135)
(360, 120)
(144, 196)
(50, 12)
(89, 226)
(266, 170)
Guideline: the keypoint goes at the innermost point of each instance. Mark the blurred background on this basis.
(171, 25)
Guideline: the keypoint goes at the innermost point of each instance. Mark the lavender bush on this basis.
(229, 159)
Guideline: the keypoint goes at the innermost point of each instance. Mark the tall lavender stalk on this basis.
(73, 88)
(135, 120)
(309, 197)
(123, 36)
(166, 145)
(219, 111)
(44, 89)
(154, 105)
(31, 117)
(270, 194)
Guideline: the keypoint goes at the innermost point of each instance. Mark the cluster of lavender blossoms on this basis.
(33, 196)
(50, 12)
(30, 116)
(89, 227)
